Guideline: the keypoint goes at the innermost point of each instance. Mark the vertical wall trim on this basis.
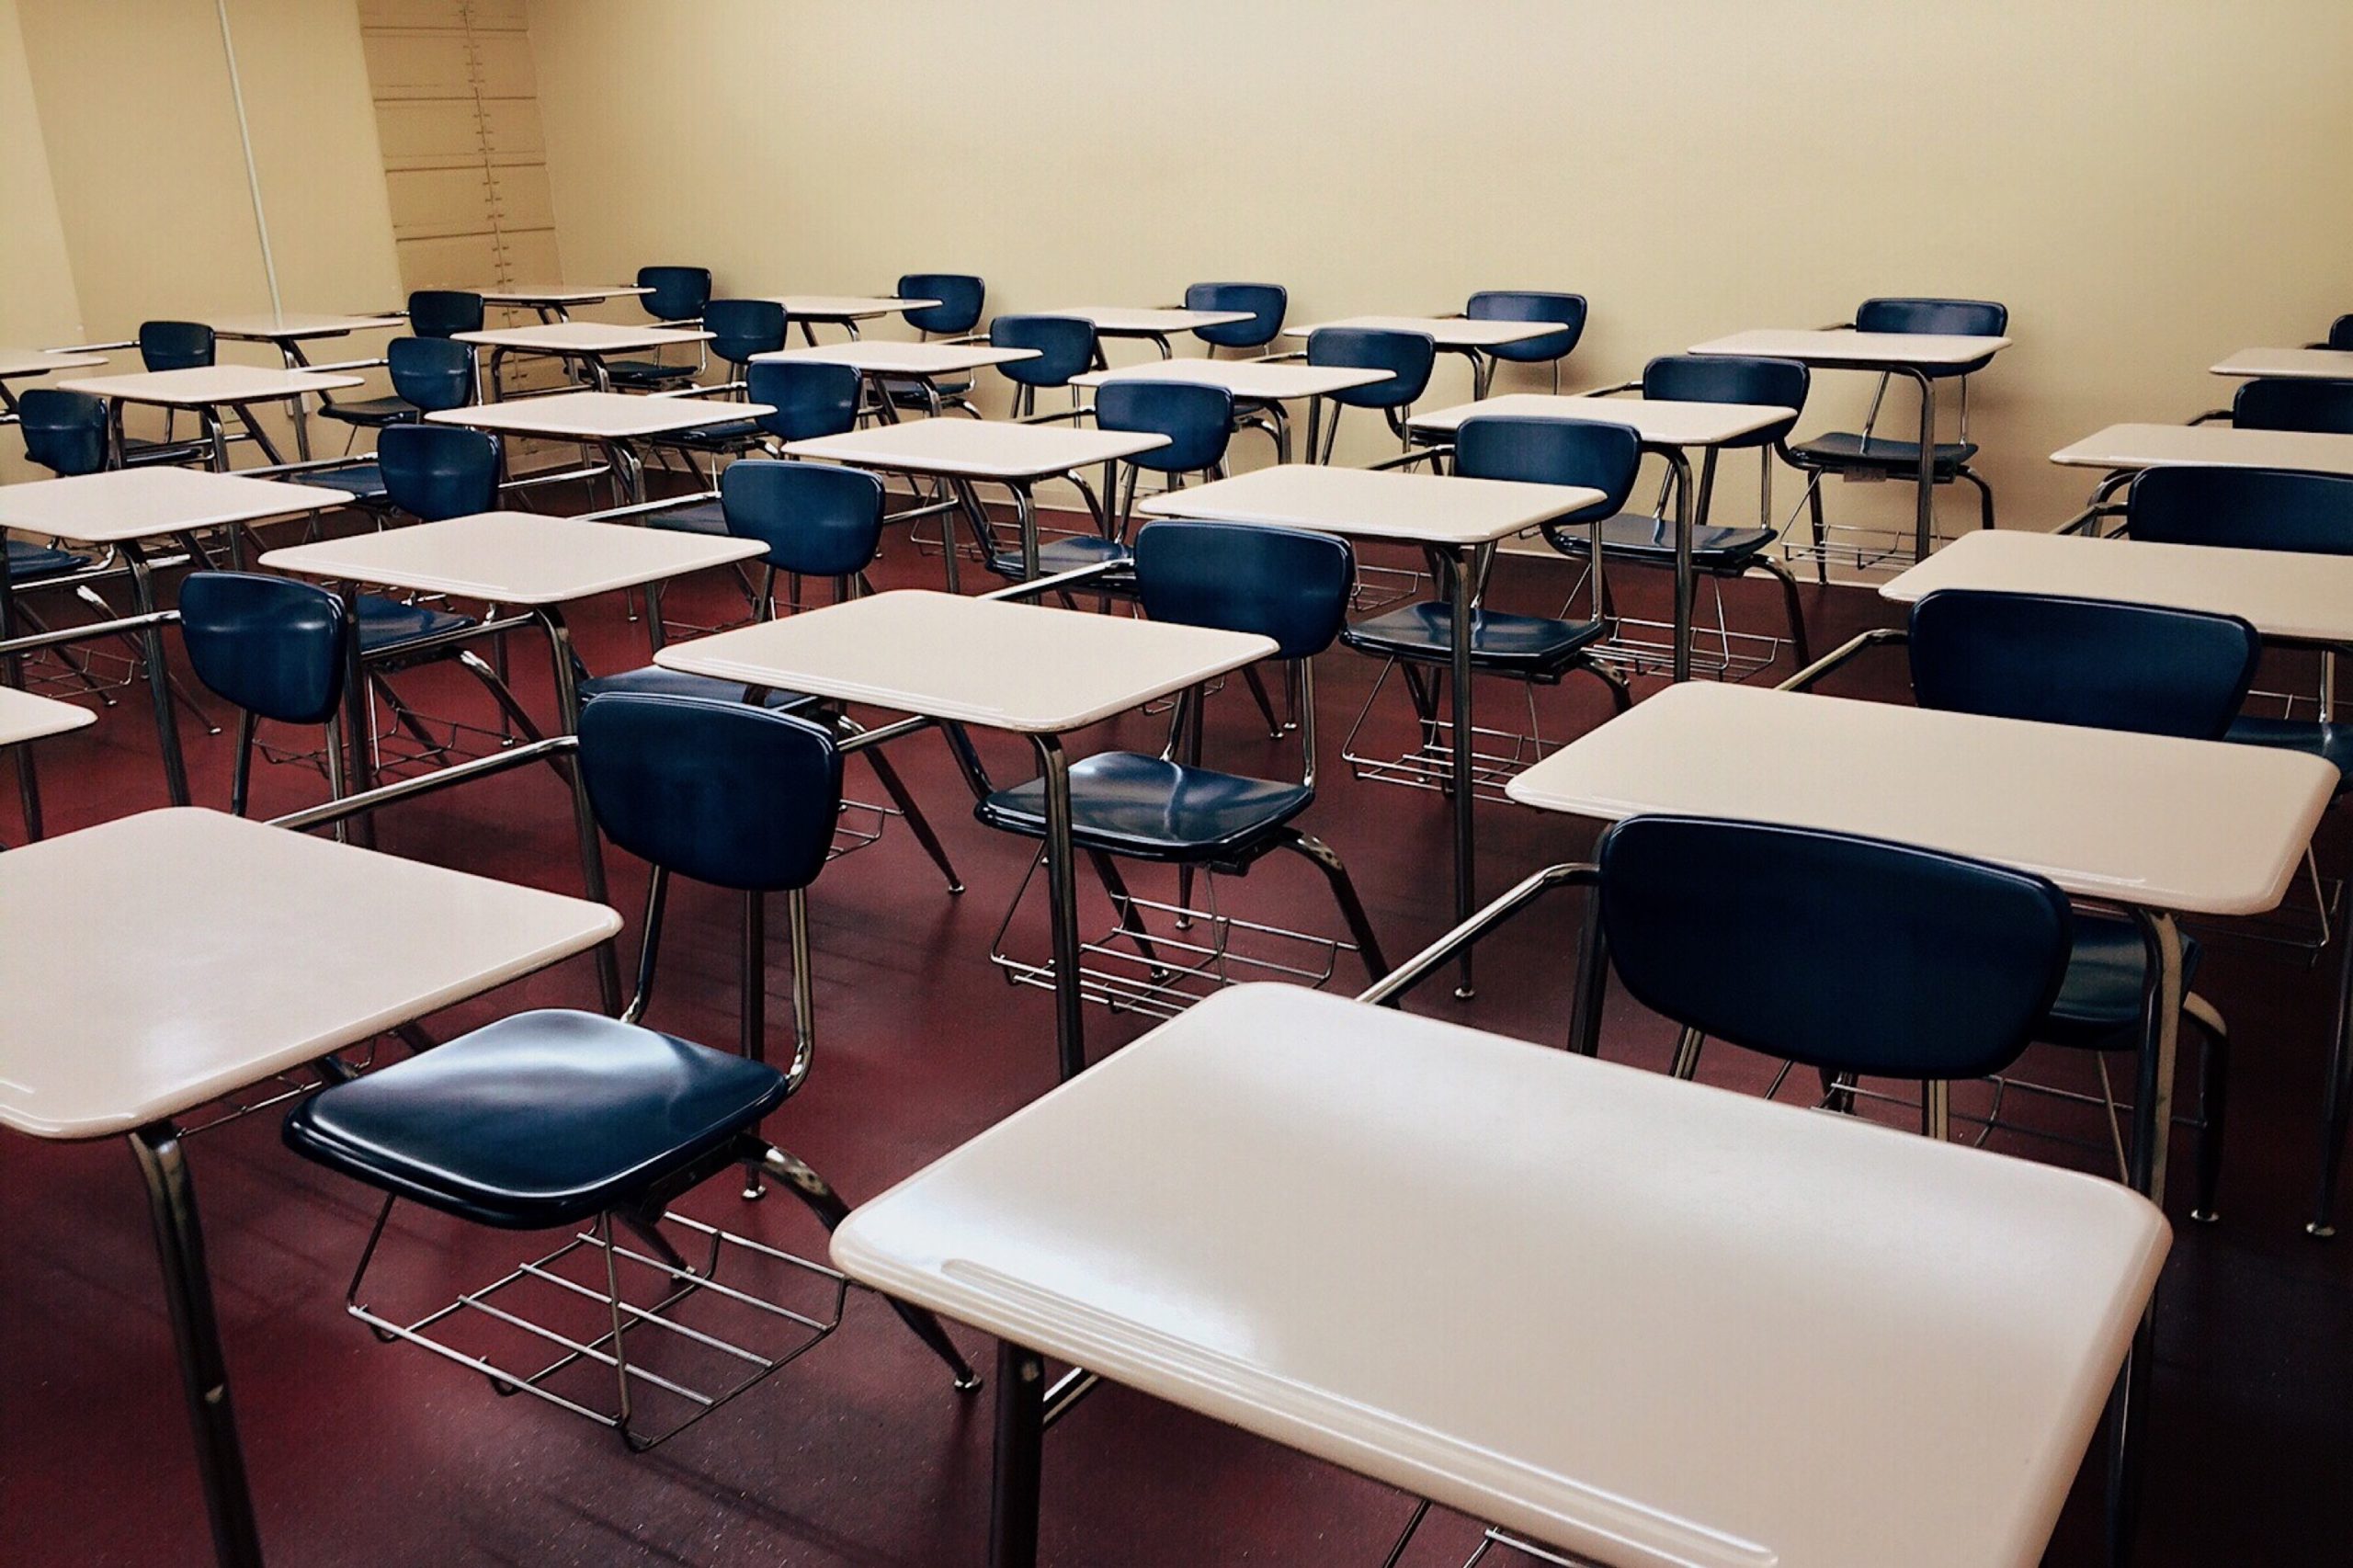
(253, 175)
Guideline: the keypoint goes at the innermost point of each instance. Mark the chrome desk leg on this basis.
(1062, 883)
(2336, 1101)
(1466, 880)
(1021, 1457)
(159, 677)
(1686, 584)
(584, 816)
(1924, 524)
(187, 1294)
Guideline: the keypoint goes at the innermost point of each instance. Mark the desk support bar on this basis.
(1392, 987)
(426, 783)
(1805, 678)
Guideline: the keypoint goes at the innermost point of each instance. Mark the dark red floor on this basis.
(859, 1453)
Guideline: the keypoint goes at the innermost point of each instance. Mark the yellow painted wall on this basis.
(2147, 183)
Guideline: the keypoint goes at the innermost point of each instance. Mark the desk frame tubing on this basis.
(2336, 1101)
(1469, 568)
(1062, 884)
(1018, 1466)
(195, 1331)
(1924, 517)
(159, 679)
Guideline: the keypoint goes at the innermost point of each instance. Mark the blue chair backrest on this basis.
(1197, 419)
(1280, 583)
(810, 398)
(740, 328)
(1731, 378)
(679, 293)
(815, 518)
(1266, 302)
(1959, 318)
(65, 432)
(2097, 663)
(431, 372)
(440, 313)
(175, 345)
(2276, 402)
(960, 295)
(273, 646)
(1585, 453)
(1530, 305)
(1938, 966)
(728, 793)
(2250, 508)
(1065, 347)
(1408, 356)
(2340, 333)
(439, 470)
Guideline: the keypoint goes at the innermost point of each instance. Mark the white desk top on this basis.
(1663, 422)
(2280, 593)
(294, 326)
(877, 358)
(1250, 380)
(1384, 504)
(2103, 813)
(557, 293)
(1129, 320)
(844, 307)
(583, 338)
(2222, 445)
(208, 386)
(1844, 347)
(598, 416)
(1448, 331)
(26, 717)
(978, 448)
(1654, 1322)
(142, 503)
(1008, 667)
(2296, 364)
(17, 363)
(232, 951)
(511, 558)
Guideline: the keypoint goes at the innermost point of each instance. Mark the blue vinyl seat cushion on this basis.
(1847, 448)
(726, 433)
(362, 481)
(1066, 555)
(648, 372)
(541, 1120)
(388, 625)
(2331, 743)
(703, 517)
(2099, 1007)
(654, 681)
(1650, 539)
(29, 563)
(910, 394)
(370, 412)
(1532, 647)
(1148, 808)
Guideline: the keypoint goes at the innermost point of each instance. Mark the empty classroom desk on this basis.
(1461, 520)
(235, 951)
(1914, 355)
(553, 301)
(1254, 384)
(25, 717)
(1470, 337)
(287, 332)
(585, 343)
(2123, 451)
(1668, 428)
(611, 422)
(1619, 1282)
(26, 364)
(206, 390)
(1026, 669)
(124, 509)
(922, 363)
(844, 311)
(2289, 364)
(1151, 323)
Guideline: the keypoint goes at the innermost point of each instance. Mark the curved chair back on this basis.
(815, 518)
(1530, 305)
(728, 793)
(65, 432)
(1198, 420)
(431, 372)
(2340, 331)
(679, 293)
(175, 345)
(441, 312)
(1732, 378)
(1266, 302)
(2097, 663)
(1959, 318)
(434, 471)
(1553, 452)
(810, 398)
(960, 295)
(740, 328)
(1408, 356)
(2252, 508)
(2276, 402)
(1065, 348)
(1945, 964)
(1285, 584)
(273, 646)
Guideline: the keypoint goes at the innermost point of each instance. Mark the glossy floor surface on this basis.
(859, 1453)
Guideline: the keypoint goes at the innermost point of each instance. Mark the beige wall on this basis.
(2147, 183)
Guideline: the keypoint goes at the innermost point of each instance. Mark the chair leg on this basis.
(1800, 649)
(1266, 703)
(917, 823)
(1984, 498)
(241, 771)
(2213, 1102)
(1343, 893)
(827, 1204)
(475, 665)
(1123, 904)
(1622, 693)
(1814, 512)
(1685, 1061)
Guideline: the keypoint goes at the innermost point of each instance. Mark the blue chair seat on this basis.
(1649, 537)
(655, 681)
(1532, 647)
(388, 625)
(137, 453)
(362, 481)
(542, 1119)
(910, 394)
(29, 563)
(373, 412)
(707, 517)
(2331, 743)
(1067, 555)
(1847, 449)
(725, 436)
(648, 372)
(2099, 1007)
(1147, 809)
